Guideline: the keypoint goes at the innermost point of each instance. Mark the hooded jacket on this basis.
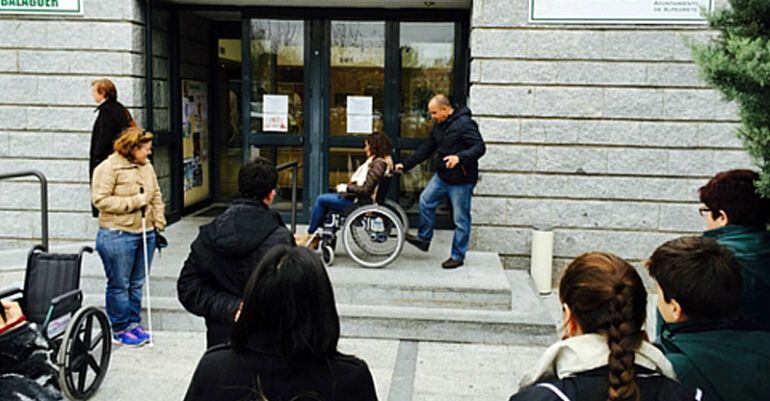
(751, 246)
(729, 361)
(576, 369)
(457, 135)
(221, 260)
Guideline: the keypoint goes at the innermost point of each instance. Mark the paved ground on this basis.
(402, 370)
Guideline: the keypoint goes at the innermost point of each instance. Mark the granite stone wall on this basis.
(603, 132)
(46, 110)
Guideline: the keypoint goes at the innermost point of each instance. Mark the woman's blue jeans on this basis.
(324, 204)
(122, 254)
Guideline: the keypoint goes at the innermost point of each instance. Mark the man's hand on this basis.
(399, 168)
(342, 188)
(451, 161)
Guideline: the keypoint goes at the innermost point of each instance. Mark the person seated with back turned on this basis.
(227, 249)
(737, 216)
(605, 354)
(699, 296)
(284, 343)
(363, 185)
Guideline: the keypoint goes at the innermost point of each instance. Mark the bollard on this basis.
(541, 264)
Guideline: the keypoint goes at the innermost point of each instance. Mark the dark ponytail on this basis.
(606, 296)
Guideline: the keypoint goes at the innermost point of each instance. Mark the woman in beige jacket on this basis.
(121, 187)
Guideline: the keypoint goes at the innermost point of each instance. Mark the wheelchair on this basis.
(373, 234)
(80, 338)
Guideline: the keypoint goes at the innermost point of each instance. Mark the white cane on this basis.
(146, 270)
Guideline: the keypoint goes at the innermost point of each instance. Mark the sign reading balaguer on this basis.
(619, 11)
(41, 7)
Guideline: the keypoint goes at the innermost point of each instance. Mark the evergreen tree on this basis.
(738, 64)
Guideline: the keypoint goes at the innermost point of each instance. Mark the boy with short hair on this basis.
(699, 296)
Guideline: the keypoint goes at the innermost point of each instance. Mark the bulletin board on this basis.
(195, 142)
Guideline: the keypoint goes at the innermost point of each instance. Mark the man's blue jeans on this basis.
(122, 254)
(460, 198)
(323, 204)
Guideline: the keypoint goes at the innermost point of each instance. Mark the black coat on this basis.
(26, 372)
(457, 135)
(225, 375)
(221, 260)
(112, 119)
(592, 386)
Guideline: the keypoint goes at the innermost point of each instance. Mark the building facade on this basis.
(603, 131)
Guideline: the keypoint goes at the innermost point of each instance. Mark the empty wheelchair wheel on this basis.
(84, 355)
(373, 236)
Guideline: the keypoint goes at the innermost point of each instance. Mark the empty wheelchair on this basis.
(80, 338)
(373, 234)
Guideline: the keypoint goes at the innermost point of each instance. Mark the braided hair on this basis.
(607, 296)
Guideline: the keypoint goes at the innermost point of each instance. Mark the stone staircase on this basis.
(411, 299)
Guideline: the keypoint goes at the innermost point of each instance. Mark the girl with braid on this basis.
(604, 354)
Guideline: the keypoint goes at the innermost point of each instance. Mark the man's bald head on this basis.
(440, 108)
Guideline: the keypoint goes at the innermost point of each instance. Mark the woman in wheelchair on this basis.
(362, 186)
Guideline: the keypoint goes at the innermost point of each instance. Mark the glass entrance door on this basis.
(314, 88)
(276, 89)
(357, 94)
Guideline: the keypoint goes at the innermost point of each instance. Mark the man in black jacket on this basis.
(228, 249)
(456, 140)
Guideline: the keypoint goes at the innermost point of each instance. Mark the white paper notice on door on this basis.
(359, 114)
(275, 116)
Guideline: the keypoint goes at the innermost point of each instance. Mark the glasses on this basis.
(703, 210)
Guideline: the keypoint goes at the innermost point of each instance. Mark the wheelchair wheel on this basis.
(399, 211)
(373, 236)
(327, 255)
(84, 356)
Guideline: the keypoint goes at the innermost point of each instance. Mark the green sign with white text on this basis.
(36, 7)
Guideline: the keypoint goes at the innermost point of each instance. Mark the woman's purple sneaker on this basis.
(127, 338)
(139, 332)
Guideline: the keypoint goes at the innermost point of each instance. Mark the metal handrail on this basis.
(43, 198)
(294, 166)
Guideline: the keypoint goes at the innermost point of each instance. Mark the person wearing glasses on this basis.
(123, 186)
(737, 217)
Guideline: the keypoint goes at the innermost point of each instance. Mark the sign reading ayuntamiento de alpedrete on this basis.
(619, 11)
(41, 7)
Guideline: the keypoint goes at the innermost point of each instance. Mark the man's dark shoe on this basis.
(418, 242)
(451, 263)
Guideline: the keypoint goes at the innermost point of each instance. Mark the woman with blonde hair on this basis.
(122, 187)
(604, 354)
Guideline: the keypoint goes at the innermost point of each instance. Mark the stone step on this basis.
(484, 287)
(526, 327)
